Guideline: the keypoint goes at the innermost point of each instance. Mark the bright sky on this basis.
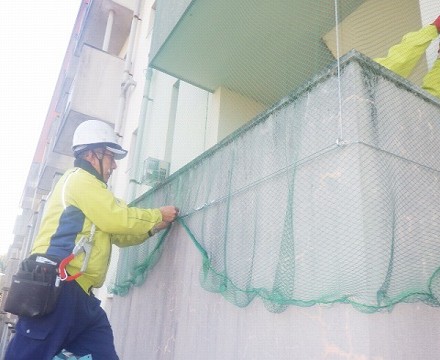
(34, 35)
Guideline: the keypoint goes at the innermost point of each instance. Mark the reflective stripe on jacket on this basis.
(403, 57)
(78, 200)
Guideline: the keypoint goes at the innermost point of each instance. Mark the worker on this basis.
(403, 57)
(82, 207)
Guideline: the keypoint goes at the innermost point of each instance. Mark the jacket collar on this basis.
(85, 165)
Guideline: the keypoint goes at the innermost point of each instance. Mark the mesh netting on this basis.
(332, 195)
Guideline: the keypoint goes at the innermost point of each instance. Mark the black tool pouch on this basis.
(35, 287)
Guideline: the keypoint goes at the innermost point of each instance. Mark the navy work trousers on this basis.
(78, 324)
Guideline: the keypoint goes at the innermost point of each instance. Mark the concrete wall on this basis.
(172, 317)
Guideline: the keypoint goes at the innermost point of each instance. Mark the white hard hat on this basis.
(95, 133)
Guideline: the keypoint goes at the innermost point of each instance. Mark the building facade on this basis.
(182, 80)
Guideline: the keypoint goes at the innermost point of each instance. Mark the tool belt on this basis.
(35, 288)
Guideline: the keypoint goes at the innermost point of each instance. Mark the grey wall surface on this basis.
(172, 317)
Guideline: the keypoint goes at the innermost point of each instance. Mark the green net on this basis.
(329, 196)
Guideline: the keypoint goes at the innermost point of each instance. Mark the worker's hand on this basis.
(169, 213)
(436, 23)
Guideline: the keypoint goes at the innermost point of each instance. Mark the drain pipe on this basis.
(108, 30)
(142, 133)
(127, 76)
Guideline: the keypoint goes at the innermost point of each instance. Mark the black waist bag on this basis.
(35, 287)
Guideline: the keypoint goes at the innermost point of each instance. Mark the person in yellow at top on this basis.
(82, 207)
(403, 57)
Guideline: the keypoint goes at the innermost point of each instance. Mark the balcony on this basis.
(332, 195)
(93, 30)
(88, 87)
(94, 94)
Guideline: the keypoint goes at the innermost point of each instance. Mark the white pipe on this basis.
(141, 135)
(108, 30)
(127, 77)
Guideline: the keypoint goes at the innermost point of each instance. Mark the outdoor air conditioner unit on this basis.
(154, 171)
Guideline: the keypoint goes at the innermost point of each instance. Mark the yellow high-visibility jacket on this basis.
(403, 57)
(79, 200)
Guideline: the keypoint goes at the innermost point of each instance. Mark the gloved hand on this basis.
(436, 23)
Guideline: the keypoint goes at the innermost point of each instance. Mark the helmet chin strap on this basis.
(100, 159)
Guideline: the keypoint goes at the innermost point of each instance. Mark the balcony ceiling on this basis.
(261, 51)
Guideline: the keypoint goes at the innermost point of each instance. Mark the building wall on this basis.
(234, 110)
(172, 317)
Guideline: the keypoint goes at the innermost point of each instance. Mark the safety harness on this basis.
(84, 245)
